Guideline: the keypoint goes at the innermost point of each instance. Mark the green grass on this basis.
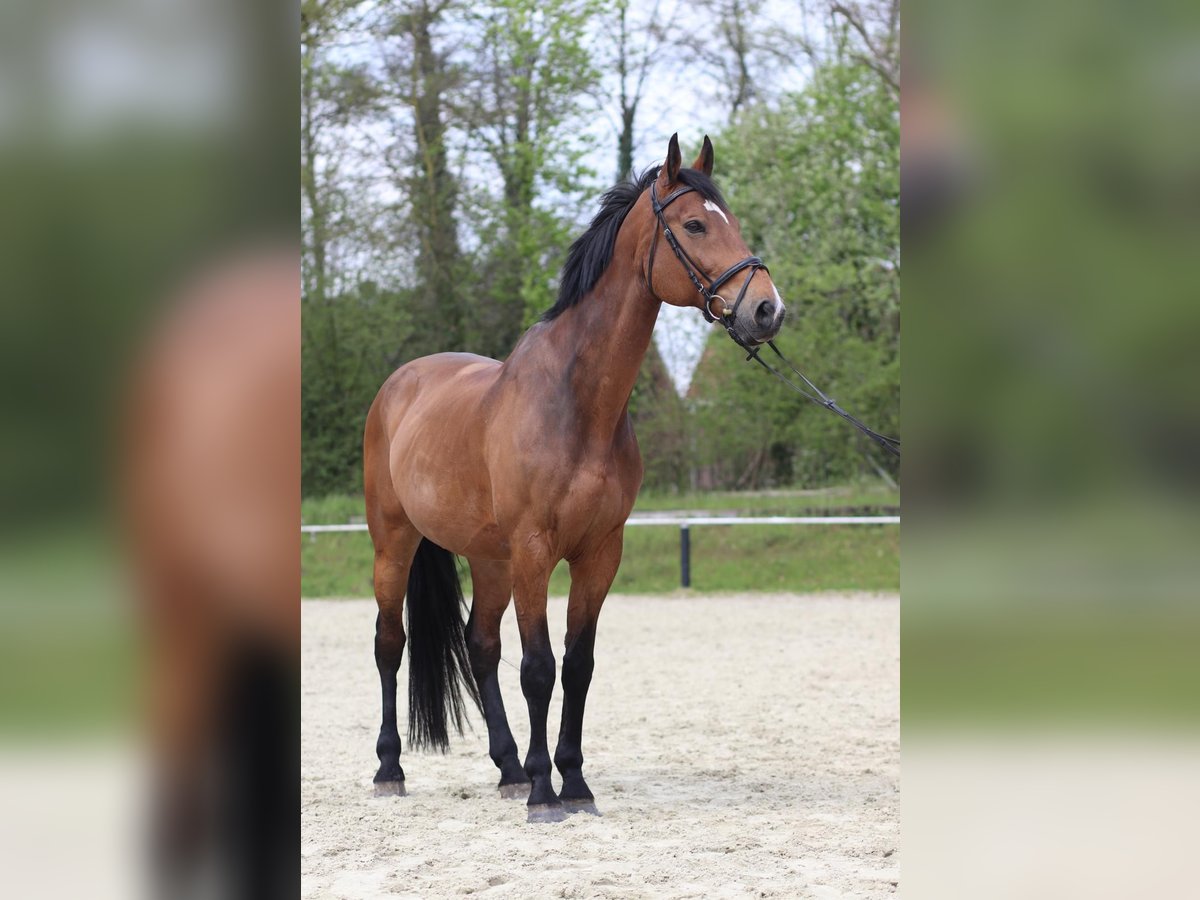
(724, 557)
(770, 503)
(334, 509)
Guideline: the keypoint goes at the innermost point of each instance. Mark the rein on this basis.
(890, 444)
(728, 315)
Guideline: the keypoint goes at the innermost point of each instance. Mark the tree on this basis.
(330, 94)
(816, 184)
(351, 327)
(638, 45)
(421, 81)
(348, 348)
(876, 30)
(741, 54)
(532, 72)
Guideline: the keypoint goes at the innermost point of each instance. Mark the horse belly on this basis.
(486, 542)
(447, 502)
(437, 465)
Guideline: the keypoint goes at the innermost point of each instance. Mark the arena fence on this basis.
(684, 523)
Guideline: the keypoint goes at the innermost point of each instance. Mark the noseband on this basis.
(753, 263)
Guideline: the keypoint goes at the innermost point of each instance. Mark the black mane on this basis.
(591, 253)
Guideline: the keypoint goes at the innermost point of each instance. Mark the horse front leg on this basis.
(492, 589)
(591, 577)
(531, 577)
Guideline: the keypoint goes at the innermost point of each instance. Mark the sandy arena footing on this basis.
(737, 745)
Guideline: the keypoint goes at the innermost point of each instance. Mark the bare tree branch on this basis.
(881, 56)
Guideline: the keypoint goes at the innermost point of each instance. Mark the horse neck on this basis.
(604, 338)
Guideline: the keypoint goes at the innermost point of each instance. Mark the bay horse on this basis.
(521, 464)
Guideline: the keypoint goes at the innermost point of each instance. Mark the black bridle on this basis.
(753, 263)
(728, 314)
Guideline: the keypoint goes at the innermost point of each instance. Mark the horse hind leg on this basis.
(492, 590)
(393, 559)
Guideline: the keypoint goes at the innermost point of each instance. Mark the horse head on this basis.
(713, 269)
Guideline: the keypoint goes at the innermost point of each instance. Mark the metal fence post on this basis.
(685, 556)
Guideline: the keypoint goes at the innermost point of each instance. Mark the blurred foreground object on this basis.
(1051, 520)
(144, 145)
(211, 478)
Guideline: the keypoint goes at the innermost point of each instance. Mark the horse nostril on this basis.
(764, 313)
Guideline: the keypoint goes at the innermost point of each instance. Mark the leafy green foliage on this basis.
(535, 75)
(350, 344)
(816, 186)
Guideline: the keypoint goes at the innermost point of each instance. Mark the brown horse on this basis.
(521, 464)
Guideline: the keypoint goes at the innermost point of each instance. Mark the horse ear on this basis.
(674, 159)
(704, 161)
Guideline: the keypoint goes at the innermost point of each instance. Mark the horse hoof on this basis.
(390, 789)
(518, 791)
(580, 806)
(546, 812)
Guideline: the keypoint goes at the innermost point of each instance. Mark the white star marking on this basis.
(712, 207)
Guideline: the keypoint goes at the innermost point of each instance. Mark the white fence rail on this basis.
(684, 524)
(685, 521)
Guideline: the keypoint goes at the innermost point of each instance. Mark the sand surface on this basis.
(738, 746)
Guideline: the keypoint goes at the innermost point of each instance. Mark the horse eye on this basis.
(694, 227)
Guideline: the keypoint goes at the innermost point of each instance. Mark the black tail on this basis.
(438, 664)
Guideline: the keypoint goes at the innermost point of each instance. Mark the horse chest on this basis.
(597, 496)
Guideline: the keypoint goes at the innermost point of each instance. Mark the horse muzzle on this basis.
(757, 320)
